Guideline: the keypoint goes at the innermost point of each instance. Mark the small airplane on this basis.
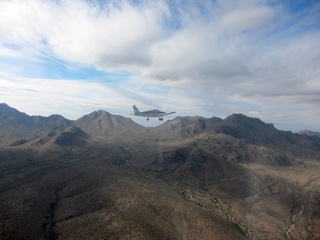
(150, 113)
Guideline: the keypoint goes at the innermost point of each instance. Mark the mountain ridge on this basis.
(14, 118)
(102, 123)
(309, 133)
(105, 126)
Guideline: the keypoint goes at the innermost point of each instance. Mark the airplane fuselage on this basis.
(150, 113)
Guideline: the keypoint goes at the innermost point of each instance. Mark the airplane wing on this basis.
(163, 114)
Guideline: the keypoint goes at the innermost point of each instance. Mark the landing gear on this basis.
(160, 119)
(148, 119)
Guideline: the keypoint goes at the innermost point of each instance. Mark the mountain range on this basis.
(19, 128)
(101, 124)
(238, 175)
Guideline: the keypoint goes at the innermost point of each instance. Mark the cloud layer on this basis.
(209, 58)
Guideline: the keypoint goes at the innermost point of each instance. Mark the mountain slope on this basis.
(104, 125)
(256, 132)
(309, 133)
(192, 164)
(17, 127)
(72, 136)
(11, 119)
(251, 129)
(182, 127)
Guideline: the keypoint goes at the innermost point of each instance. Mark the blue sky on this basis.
(208, 58)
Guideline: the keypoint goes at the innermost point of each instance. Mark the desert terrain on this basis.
(105, 177)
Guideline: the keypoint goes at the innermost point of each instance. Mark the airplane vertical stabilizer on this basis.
(136, 110)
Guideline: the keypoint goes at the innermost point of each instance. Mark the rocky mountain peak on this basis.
(103, 123)
(243, 127)
(309, 133)
(12, 117)
(72, 136)
(245, 121)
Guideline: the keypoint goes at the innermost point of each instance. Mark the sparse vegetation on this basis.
(108, 179)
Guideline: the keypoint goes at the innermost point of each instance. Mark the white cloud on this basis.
(248, 19)
(221, 57)
(114, 37)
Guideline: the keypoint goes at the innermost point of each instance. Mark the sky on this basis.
(204, 58)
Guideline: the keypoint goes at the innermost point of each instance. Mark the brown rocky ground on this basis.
(105, 177)
(77, 195)
(96, 192)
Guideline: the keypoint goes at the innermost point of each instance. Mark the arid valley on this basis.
(105, 177)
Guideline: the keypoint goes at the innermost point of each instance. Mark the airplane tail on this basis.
(136, 110)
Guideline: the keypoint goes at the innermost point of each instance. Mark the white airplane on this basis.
(150, 113)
